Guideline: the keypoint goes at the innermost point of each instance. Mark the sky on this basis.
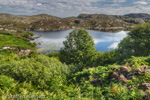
(68, 8)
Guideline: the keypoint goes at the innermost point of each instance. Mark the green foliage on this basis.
(16, 41)
(137, 43)
(42, 71)
(104, 58)
(79, 48)
(6, 82)
(5, 52)
(137, 61)
(5, 33)
(54, 54)
(33, 53)
(38, 74)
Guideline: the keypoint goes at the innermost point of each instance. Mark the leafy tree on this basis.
(137, 43)
(79, 48)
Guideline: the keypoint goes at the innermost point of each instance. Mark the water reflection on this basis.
(104, 41)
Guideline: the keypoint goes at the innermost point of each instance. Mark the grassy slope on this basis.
(12, 40)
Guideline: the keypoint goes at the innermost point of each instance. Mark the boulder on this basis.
(146, 85)
(123, 78)
(115, 75)
(124, 69)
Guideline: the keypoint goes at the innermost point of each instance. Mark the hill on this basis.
(45, 22)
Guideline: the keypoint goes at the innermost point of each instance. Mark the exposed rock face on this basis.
(135, 21)
(138, 15)
(144, 16)
(47, 25)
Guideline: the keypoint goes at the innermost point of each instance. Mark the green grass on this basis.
(12, 40)
(5, 52)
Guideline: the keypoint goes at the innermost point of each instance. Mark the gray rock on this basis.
(123, 78)
(146, 85)
(125, 69)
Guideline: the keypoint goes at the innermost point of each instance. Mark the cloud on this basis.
(39, 4)
(140, 3)
(114, 45)
(67, 8)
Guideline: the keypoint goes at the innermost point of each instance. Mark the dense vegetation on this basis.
(77, 72)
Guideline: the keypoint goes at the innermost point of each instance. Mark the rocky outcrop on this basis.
(17, 50)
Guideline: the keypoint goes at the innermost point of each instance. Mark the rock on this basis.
(94, 80)
(146, 95)
(123, 78)
(130, 75)
(35, 37)
(125, 85)
(146, 85)
(115, 75)
(138, 69)
(146, 66)
(6, 47)
(125, 69)
(146, 71)
(92, 68)
(142, 70)
(142, 92)
(133, 86)
(39, 43)
(24, 52)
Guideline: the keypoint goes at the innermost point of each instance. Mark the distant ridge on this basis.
(138, 15)
(46, 22)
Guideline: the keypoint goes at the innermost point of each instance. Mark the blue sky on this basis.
(67, 8)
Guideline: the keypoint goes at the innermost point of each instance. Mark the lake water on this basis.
(104, 41)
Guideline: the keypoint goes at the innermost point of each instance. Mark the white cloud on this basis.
(114, 45)
(140, 3)
(39, 4)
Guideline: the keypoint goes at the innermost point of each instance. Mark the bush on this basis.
(43, 72)
(6, 82)
(54, 54)
(105, 58)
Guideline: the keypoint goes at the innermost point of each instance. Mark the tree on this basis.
(137, 43)
(79, 48)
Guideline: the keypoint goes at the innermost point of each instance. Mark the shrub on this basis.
(54, 54)
(6, 82)
(105, 58)
(42, 71)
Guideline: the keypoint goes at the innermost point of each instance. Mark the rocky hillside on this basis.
(138, 15)
(143, 16)
(45, 22)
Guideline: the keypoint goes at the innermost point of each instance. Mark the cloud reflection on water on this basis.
(104, 41)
